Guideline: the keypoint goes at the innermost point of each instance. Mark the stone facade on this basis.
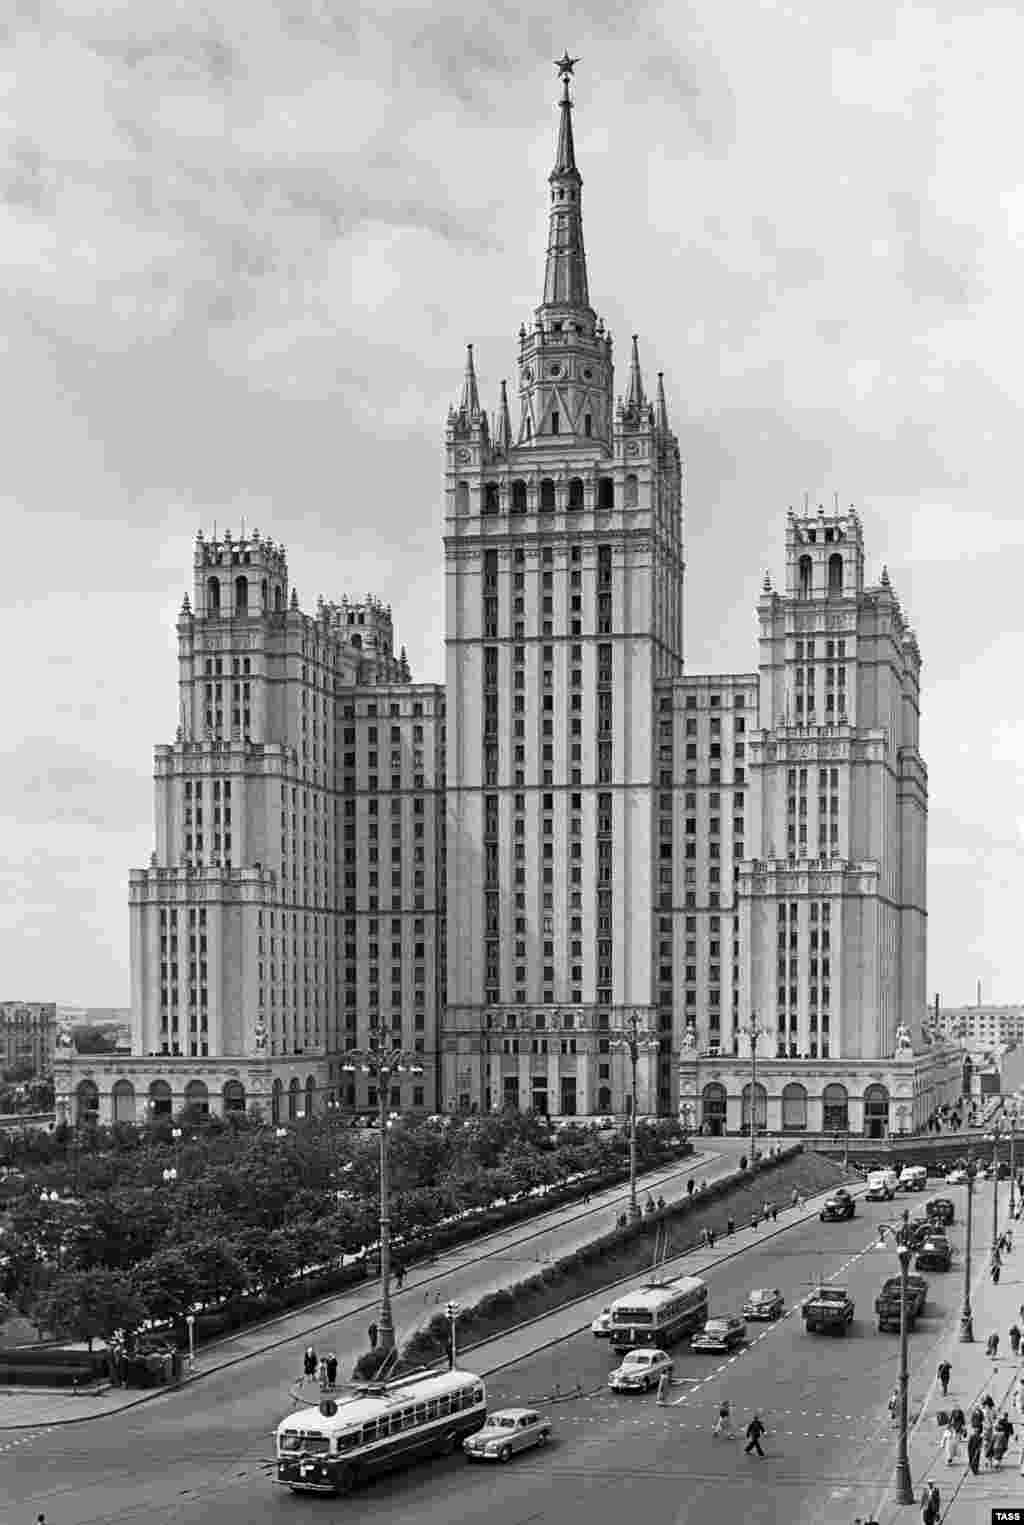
(28, 1035)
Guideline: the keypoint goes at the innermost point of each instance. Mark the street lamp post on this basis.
(451, 1313)
(753, 1031)
(630, 1042)
(966, 1314)
(686, 1113)
(996, 1130)
(382, 1066)
(904, 1487)
(1011, 1113)
(190, 1320)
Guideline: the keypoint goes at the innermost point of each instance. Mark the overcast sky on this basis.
(243, 245)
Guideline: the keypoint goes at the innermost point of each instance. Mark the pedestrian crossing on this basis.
(792, 1430)
(13, 1442)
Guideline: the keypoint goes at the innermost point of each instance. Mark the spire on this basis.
(503, 428)
(565, 276)
(662, 405)
(635, 399)
(469, 402)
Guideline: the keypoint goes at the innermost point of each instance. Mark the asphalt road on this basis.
(202, 1453)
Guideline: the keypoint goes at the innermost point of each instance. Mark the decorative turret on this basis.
(238, 578)
(662, 405)
(565, 276)
(469, 402)
(503, 425)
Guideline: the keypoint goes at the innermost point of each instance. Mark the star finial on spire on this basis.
(565, 65)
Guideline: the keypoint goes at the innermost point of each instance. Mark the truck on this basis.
(829, 1308)
(887, 1303)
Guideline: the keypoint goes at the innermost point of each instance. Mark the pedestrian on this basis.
(663, 1387)
(801, 1202)
(711, 1238)
(930, 1505)
(661, 1204)
(959, 1421)
(310, 1363)
(1004, 1434)
(765, 1211)
(974, 1450)
(323, 1371)
(730, 1225)
(992, 1345)
(996, 1271)
(372, 1332)
(755, 1429)
(1015, 1340)
(332, 1369)
(754, 1220)
(399, 1275)
(775, 1213)
(989, 1446)
(723, 1424)
(944, 1373)
(894, 1403)
(796, 1197)
(950, 1445)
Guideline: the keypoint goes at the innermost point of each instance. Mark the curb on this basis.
(197, 1376)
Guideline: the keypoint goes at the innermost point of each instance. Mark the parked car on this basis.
(720, 1334)
(602, 1325)
(838, 1206)
(639, 1371)
(506, 1432)
(764, 1303)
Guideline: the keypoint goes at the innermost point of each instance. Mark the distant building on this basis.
(28, 1035)
(982, 1029)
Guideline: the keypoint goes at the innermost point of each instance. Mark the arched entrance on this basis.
(87, 1102)
(876, 1112)
(275, 1101)
(234, 1096)
(794, 1108)
(760, 1107)
(604, 1099)
(293, 1099)
(160, 1100)
(122, 1102)
(712, 1109)
(197, 1098)
(835, 1109)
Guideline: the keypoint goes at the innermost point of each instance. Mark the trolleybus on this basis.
(659, 1314)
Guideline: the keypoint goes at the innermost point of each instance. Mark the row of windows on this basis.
(546, 493)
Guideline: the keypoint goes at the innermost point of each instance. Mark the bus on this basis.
(659, 1314)
(377, 1428)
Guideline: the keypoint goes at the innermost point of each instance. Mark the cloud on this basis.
(58, 783)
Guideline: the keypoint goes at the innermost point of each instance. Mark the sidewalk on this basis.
(465, 1273)
(966, 1499)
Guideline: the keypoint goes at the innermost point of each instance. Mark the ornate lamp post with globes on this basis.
(633, 1041)
(382, 1067)
(904, 1487)
(966, 1313)
(753, 1031)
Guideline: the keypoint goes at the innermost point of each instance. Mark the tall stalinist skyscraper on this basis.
(564, 568)
(573, 835)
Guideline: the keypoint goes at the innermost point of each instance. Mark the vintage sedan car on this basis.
(602, 1325)
(957, 1177)
(941, 1211)
(639, 1371)
(838, 1206)
(934, 1253)
(505, 1432)
(764, 1303)
(720, 1334)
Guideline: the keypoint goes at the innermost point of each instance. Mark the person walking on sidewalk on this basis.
(795, 1198)
(992, 1346)
(755, 1429)
(974, 1450)
(944, 1373)
(894, 1403)
(1004, 1434)
(730, 1225)
(950, 1445)
(996, 1270)
(332, 1369)
(931, 1505)
(664, 1383)
(372, 1333)
(1015, 1340)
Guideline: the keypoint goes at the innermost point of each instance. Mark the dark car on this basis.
(941, 1211)
(838, 1206)
(934, 1254)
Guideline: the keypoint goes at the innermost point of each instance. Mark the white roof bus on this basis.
(331, 1448)
(659, 1314)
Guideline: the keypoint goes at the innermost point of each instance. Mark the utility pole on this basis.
(630, 1042)
(966, 1314)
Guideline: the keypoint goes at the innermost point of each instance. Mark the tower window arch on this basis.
(462, 498)
(606, 493)
(547, 494)
(278, 598)
(554, 421)
(241, 595)
(806, 570)
(632, 490)
(835, 573)
(491, 498)
(213, 595)
(588, 425)
(519, 497)
(264, 590)
(576, 492)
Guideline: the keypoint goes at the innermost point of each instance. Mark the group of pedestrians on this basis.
(987, 1437)
(325, 1367)
(723, 1429)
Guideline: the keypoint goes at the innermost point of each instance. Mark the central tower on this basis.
(564, 576)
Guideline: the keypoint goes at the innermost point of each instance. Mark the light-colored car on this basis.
(639, 1371)
(957, 1178)
(913, 1178)
(602, 1325)
(764, 1303)
(505, 1432)
(720, 1334)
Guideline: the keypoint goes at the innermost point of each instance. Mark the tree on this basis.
(167, 1283)
(90, 1305)
(219, 1273)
